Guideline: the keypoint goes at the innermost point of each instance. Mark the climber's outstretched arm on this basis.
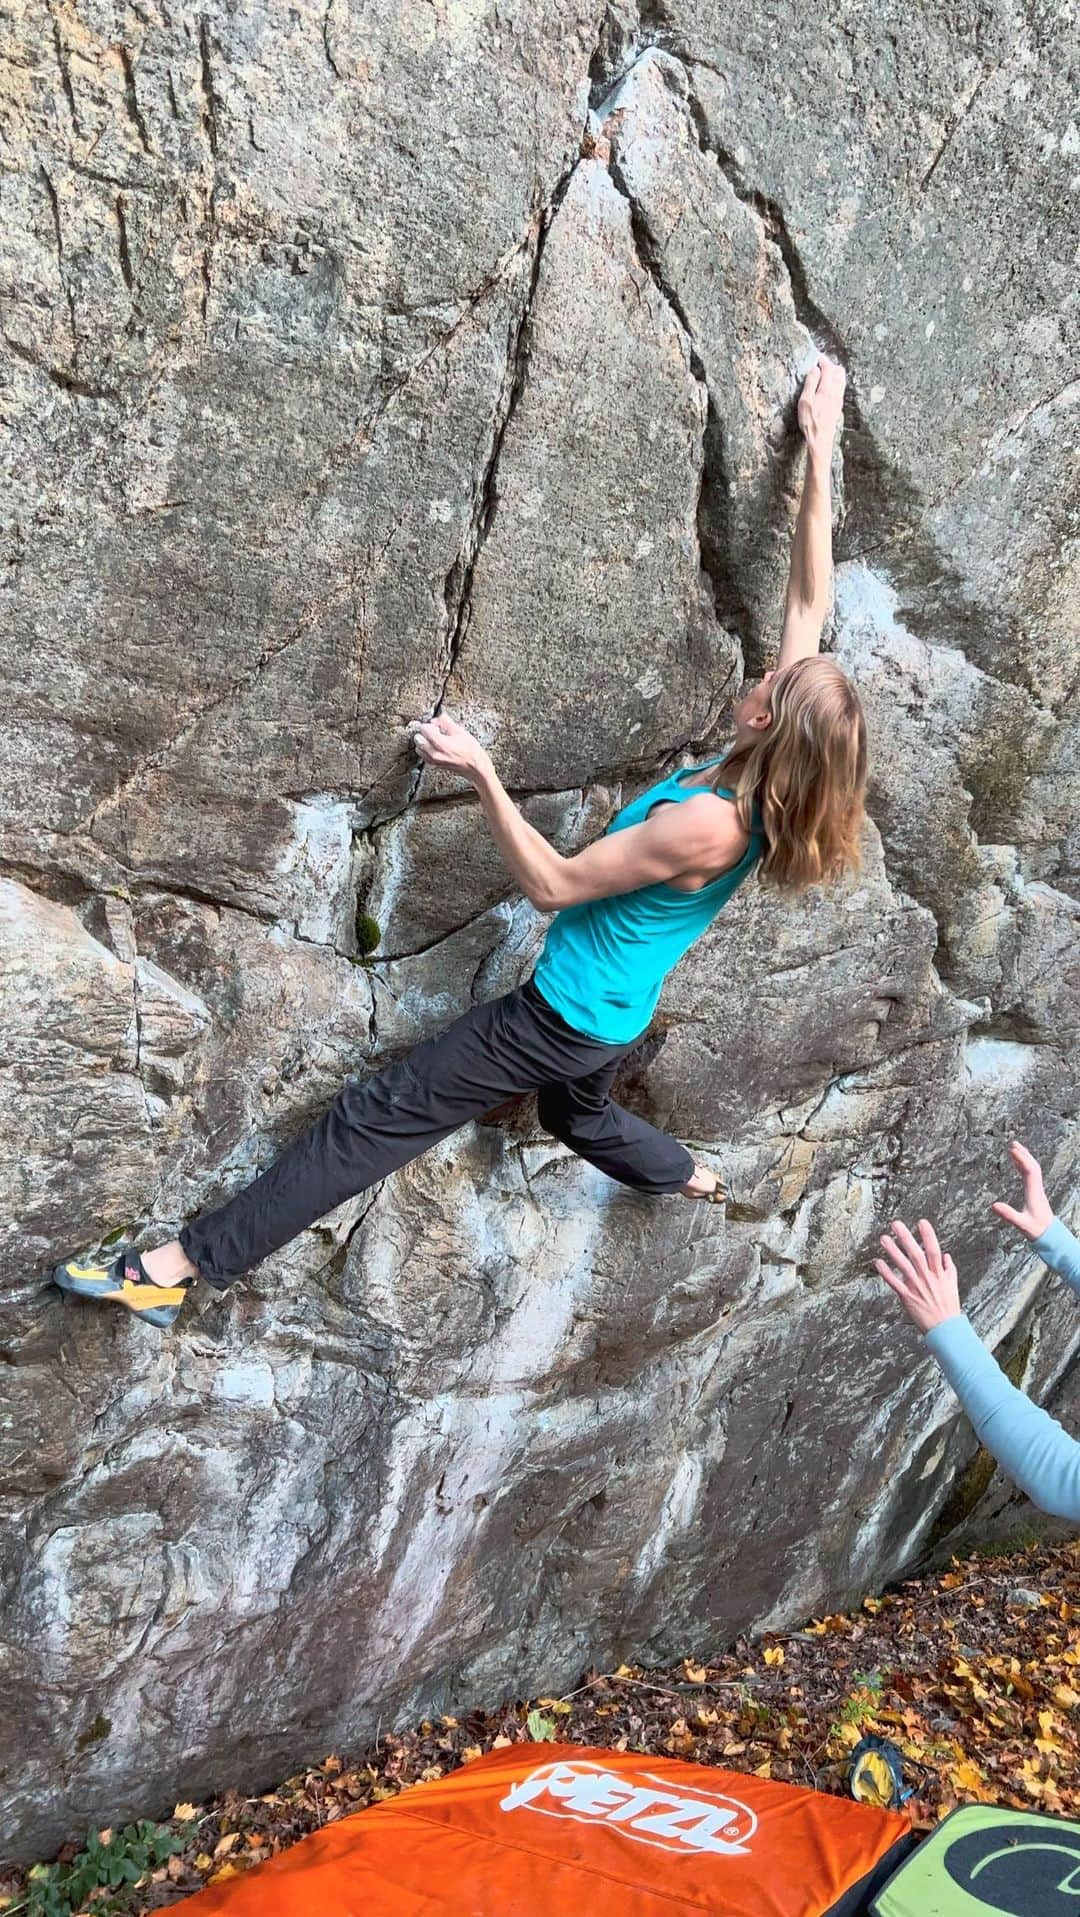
(810, 579)
(701, 835)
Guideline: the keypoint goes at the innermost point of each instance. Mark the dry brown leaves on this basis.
(974, 1674)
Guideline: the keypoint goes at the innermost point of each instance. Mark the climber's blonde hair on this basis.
(807, 774)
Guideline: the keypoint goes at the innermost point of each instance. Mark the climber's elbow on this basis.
(552, 889)
(545, 898)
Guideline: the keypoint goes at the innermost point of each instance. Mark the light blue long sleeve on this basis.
(1027, 1442)
(1061, 1251)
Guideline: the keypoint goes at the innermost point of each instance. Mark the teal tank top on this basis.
(604, 962)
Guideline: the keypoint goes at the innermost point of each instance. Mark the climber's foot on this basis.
(169, 1265)
(704, 1184)
(124, 1282)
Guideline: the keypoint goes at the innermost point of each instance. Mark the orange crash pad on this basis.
(541, 1830)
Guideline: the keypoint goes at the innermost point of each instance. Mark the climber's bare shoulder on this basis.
(685, 845)
(712, 835)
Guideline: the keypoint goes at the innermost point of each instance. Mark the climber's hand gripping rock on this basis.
(442, 741)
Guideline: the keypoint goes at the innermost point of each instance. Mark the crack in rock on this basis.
(399, 1408)
(713, 479)
(458, 584)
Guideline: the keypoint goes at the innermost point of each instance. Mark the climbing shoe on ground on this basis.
(124, 1282)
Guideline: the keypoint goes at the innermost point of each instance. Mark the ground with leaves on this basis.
(974, 1673)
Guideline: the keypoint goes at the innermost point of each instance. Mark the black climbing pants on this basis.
(497, 1051)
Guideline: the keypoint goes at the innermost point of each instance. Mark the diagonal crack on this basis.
(874, 488)
(54, 206)
(210, 129)
(65, 73)
(131, 100)
(360, 437)
(154, 761)
(882, 508)
(460, 578)
(67, 382)
(711, 513)
(457, 587)
(952, 129)
(327, 47)
(877, 489)
(124, 244)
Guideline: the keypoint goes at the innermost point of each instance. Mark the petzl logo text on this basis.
(641, 1807)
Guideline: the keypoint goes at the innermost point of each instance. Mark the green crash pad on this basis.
(986, 1862)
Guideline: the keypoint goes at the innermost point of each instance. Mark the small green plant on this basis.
(540, 1728)
(368, 934)
(753, 1714)
(864, 1698)
(104, 1872)
(1009, 1547)
(861, 1704)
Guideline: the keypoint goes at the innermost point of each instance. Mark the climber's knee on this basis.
(553, 1111)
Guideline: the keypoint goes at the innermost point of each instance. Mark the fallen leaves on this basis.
(974, 1674)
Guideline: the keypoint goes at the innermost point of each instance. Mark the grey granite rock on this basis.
(359, 360)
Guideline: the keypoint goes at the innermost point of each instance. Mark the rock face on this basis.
(360, 358)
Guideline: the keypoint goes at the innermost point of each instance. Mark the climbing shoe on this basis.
(125, 1282)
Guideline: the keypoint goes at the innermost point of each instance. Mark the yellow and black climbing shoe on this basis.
(125, 1282)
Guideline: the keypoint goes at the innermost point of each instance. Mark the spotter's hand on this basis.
(922, 1275)
(443, 742)
(1036, 1214)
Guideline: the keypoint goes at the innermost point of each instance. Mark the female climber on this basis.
(787, 797)
(1026, 1441)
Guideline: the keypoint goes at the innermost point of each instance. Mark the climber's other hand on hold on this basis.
(922, 1275)
(821, 403)
(442, 741)
(1035, 1214)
